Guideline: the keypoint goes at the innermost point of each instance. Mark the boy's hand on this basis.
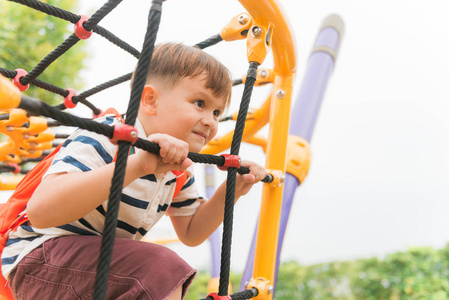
(173, 155)
(245, 182)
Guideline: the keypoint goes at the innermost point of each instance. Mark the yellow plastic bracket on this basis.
(258, 42)
(264, 76)
(262, 285)
(47, 135)
(37, 125)
(278, 178)
(298, 157)
(16, 118)
(9, 94)
(237, 28)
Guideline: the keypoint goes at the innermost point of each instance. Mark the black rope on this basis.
(73, 18)
(37, 107)
(116, 41)
(210, 41)
(49, 59)
(50, 10)
(100, 14)
(107, 242)
(69, 42)
(103, 86)
(231, 180)
(57, 90)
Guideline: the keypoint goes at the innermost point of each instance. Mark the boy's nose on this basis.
(209, 120)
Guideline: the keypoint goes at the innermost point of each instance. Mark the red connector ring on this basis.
(19, 74)
(16, 168)
(231, 161)
(68, 99)
(124, 132)
(80, 31)
(215, 296)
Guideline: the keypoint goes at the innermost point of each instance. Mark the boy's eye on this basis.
(199, 103)
(217, 113)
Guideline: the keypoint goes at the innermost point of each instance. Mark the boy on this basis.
(54, 255)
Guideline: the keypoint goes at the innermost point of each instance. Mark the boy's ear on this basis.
(148, 102)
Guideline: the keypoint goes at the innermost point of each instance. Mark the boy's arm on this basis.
(65, 197)
(193, 230)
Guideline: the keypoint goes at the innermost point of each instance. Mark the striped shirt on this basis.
(143, 202)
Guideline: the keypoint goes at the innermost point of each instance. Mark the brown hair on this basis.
(172, 62)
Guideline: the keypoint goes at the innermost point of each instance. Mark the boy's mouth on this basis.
(201, 134)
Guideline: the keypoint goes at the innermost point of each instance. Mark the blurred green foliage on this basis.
(27, 36)
(419, 273)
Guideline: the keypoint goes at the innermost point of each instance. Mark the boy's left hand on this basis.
(245, 182)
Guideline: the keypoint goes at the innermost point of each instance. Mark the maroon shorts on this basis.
(65, 268)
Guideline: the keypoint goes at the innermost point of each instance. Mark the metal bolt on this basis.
(31, 151)
(33, 144)
(256, 31)
(25, 135)
(9, 128)
(280, 94)
(282, 179)
(263, 73)
(243, 19)
(269, 289)
(133, 134)
(246, 285)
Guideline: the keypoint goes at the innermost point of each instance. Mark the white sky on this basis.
(379, 179)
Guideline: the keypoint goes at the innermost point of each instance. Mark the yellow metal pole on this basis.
(283, 50)
(268, 228)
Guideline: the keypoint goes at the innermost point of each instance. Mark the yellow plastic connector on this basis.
(298, 157)
(262, 285)
(278, 178)
(237, 28)
(258, 42)
(10, 95)
(23, 141)
(264, 76)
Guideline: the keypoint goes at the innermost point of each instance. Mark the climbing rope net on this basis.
(29, 138)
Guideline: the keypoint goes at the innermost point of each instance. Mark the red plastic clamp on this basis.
(68, 99)
(231, 161)
(16, 168)
(215, 296)
(124, 132)
(19, 74)
(80, 31)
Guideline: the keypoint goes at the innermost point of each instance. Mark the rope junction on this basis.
(36, 107)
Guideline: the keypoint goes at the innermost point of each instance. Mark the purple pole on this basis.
(304, 115)
(214, 239)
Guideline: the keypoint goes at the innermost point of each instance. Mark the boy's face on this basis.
(189, 112)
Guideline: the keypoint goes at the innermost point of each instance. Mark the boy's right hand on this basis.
(172, 155)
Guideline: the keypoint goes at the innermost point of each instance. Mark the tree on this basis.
(27, 36)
